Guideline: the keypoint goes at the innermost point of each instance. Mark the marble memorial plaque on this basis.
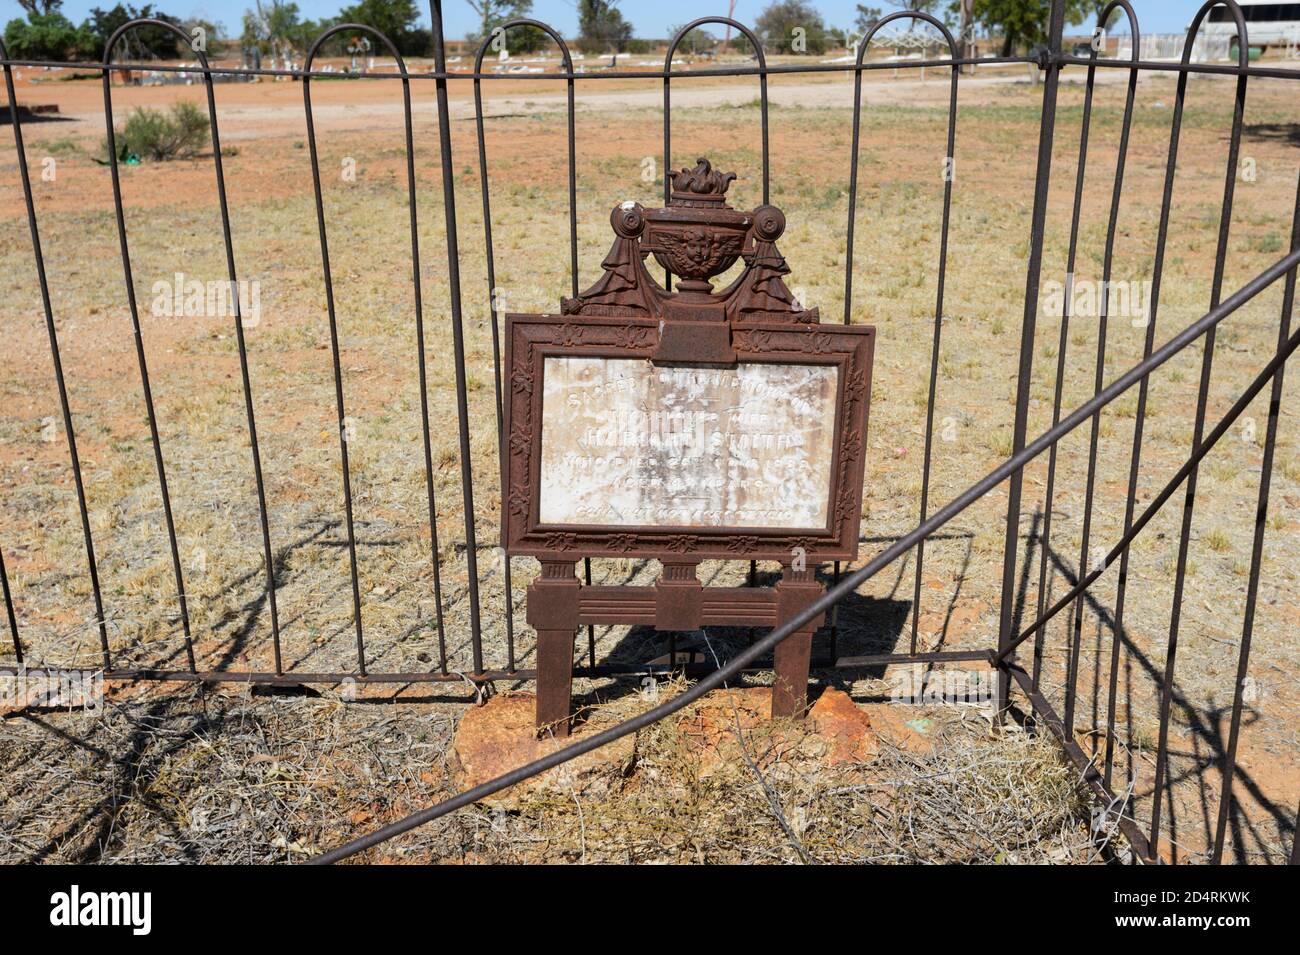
(625, 443)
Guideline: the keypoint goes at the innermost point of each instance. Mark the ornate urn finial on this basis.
(696, 238)
(701, 186)
(697, 235)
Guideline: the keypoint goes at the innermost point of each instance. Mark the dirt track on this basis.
(274, 108)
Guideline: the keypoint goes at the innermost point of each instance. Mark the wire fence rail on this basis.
(1096, 775)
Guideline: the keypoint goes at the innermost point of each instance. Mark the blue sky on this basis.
(650, 17)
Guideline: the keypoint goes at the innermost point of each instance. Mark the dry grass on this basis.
(202, 776)
(979, 797)
(210, 777)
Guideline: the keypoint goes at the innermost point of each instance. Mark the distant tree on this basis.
(141, 43)
(942, 9)
(48, 36)
(275, 27)
(933, 7)
(40, 7)
(216, 30)
(697, 41)
(493, 13)
(1023, 21)
(868, 17)
(395, 19)
(792, 26)
(214, 33)
(601, 27)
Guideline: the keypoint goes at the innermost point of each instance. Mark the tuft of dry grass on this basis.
(1217, 540)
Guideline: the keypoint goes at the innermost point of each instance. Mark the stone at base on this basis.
(712, 729)
(903, 726)
(846, 726)
(837, 731)
(500, 735)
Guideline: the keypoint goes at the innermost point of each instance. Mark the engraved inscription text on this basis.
(626, 443)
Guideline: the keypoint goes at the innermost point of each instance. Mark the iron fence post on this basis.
(457, 328)
(1046, 135)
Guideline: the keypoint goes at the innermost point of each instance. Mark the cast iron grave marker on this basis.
(683, 426)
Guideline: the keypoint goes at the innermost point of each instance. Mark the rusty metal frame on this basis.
(530, 339)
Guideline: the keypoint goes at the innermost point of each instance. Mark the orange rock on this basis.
(846, 726)
(499, 736)
(835, 732)
(720, 732)
(901, 725)
(712, 730)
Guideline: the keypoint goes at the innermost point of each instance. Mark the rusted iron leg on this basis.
(679, 598)
(795, 591)
(790, 689)
(553, 613)
(554, 680)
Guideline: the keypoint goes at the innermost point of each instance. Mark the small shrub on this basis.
(1267, 244)
(152, 134)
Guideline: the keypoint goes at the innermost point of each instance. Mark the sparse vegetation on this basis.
(250, 779)
(180, 133)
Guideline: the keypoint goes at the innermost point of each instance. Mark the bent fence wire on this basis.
(1097, 770)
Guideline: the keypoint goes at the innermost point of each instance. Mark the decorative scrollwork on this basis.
(521, 379)
(623, 542)
(818, 343)
(757, 341)
(521, 439)
(561, 541)
(518, 503)
(568, 335)
(742, 544)
(682, 543)
(632, 336)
